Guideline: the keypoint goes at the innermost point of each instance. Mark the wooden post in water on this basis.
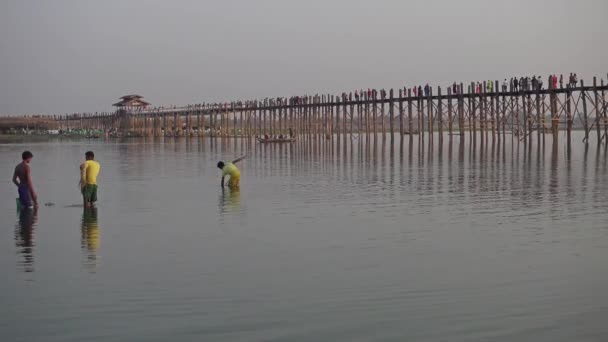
(291, 118)
(603, 106)
(302, 117)
(461, 110)
(313, 116)
(267, 121)
(282, 116)
(302, 121)
(352, 115)
(308, 116)
(338, 119)
(243, 111)
(198, 122)
(234, 120)
(585, 119)
(410, 121)
(318, 122)
(344, 116)
(483, 115)
(514, 115)
(401, 114)
(429, 112)
(497, 110)
(530, 116)
(504, 116)
(440, 113)
(375, 115)
(188, 122)
(472, 111)
(569, 115)
(598, 111)
(538, 116)
(273, 117)
(420, 111)
(145, 124)
(382, 98)
(391, 111)
(492, 114)
(360, 116)
(212, 120)
(524, 108)
(450, 111)
(268, 117)
(254, 118)
(554, 113)
(366, 110)
(323, 109)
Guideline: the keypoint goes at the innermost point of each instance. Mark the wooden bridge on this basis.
(488, 111)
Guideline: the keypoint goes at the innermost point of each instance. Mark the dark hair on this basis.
(26, 155)
(220, 164)
(89, 155)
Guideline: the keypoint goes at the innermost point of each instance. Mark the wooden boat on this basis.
(276, 140)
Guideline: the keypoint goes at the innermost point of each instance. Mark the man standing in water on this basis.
(23, 180)
(229, 169)
(88, 179)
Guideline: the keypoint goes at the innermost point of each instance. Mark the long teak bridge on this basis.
(485, 111)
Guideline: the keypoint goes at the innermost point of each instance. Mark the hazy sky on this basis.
(60, 56)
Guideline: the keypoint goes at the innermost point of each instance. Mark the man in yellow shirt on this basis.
(88, 179)
(229, 169)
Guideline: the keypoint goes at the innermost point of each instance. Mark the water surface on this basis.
(349, 242)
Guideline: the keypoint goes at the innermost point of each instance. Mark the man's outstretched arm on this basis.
(239, 159)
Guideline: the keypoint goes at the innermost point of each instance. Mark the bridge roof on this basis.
(131, 102)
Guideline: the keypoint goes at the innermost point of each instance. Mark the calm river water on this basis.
(450, 242)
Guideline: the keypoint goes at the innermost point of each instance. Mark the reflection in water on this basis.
(89, 238)
(24, 238)
(230, 200)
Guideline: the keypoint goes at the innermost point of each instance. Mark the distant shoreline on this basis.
(23, 138)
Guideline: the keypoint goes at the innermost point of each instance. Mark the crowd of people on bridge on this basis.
(514, 84)
(536, 83)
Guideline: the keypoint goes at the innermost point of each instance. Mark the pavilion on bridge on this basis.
(131, 104)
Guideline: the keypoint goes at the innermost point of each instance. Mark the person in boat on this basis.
(266, 137)
(281, 137)
(230, 169)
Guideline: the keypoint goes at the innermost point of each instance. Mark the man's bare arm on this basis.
(15, 178)
(83, 175)
(30, 184)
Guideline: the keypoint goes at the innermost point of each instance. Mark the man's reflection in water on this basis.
(24, 238)
(89, 240)
(230, 200)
